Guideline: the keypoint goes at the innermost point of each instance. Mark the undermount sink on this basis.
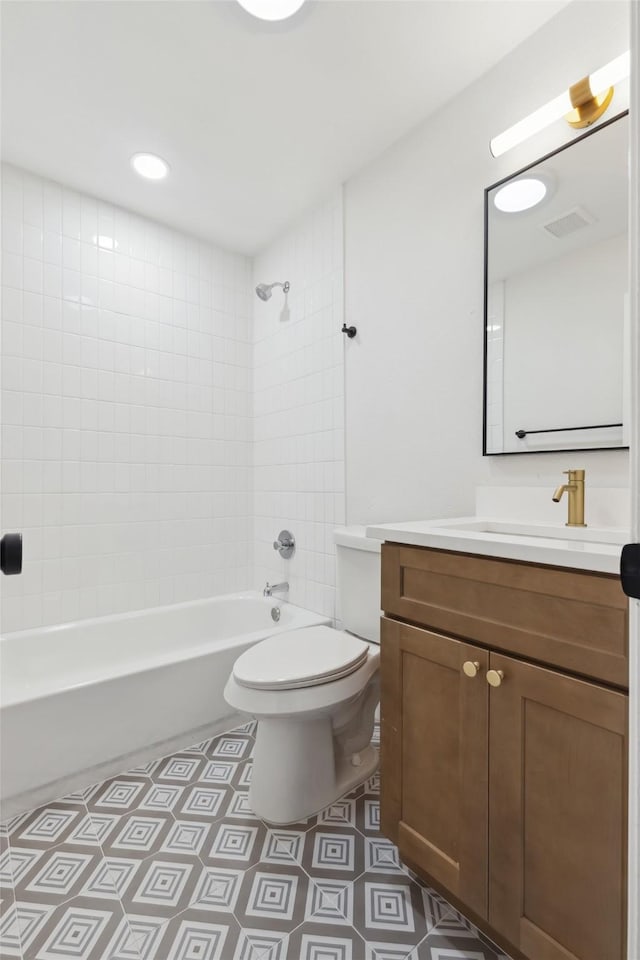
(585, 548)
(545, 531)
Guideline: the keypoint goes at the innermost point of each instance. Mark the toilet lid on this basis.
(300, 658)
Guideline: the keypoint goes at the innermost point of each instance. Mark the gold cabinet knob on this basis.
(470, 668)
(495, 677)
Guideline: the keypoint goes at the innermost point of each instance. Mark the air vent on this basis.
(569, 222)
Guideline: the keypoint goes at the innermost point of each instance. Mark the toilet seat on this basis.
(300, 658)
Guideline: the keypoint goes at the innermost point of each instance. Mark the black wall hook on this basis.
(350, 331)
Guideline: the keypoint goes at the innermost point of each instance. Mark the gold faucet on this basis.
(575, 490)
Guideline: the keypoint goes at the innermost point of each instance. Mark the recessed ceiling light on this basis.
(150, 166)
(520, 195)
(271, 9)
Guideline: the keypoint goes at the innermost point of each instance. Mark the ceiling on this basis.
(257, 120)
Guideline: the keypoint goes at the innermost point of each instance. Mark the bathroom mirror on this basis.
(556, 300)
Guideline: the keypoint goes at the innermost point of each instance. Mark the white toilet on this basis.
(314, 693)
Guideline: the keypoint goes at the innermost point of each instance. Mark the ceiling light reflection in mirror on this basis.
(271, 9)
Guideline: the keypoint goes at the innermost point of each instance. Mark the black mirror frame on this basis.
(487, 191)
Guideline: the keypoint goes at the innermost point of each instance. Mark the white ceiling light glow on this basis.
(271, 9)
(150, 166)
(520, 195)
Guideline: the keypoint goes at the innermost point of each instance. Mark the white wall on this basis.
(298, 406)
(563, 346)
(125, 409)
(414, 274)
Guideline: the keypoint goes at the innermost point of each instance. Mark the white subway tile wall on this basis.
(298, 406)
(126, 409)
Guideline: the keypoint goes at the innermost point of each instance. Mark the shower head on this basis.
(264, 290)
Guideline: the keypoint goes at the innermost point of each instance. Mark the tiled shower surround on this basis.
(298, 406)
(125, 408)
(168, 862)
(131, 434)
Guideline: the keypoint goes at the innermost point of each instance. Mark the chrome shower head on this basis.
(264, 290)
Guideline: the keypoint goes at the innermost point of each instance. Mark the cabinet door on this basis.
(557, 801)
(434, 757)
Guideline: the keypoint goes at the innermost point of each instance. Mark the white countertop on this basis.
(582, 548)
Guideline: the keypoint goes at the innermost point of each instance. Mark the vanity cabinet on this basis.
(509, 798)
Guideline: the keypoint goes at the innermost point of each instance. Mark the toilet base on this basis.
(295, 772)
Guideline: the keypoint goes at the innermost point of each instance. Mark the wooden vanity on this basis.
(504, 753)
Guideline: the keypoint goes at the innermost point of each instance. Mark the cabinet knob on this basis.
(495, 677)
(470, 668)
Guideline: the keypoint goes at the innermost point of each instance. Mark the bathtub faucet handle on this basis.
(285, 544)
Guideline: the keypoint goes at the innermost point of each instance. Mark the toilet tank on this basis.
(358, 582)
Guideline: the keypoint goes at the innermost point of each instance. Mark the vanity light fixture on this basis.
(582, 104)
(150, 166)
(520, 195)
(271, 9)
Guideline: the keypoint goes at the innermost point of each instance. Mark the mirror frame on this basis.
(487, 191)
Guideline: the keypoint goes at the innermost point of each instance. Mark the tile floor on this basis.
(168, 862)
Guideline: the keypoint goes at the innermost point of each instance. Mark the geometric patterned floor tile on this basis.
(120, 794)
(79, 929)
(161, 796)
(283, 846)
(235, 844)
(30, 919)
(163, 886)
(390, 908)
(249, 728)
(92, 830)
(10, 944)
(186, 836)
(46, 826)
(147, 933)
(230, 746)
(368, 813)
(123, 945)
(58, 875)
(330, 902)
(333, 852)
(203, 800)
(312, 942)
(15, 863)
(381, 855)
(169, 862)
(243, 775)
(139, 834)
(239, 807)
(182, 768)
(273, 897)
(218, 889)
(197, 935)
(341, 813)
(218, 771)
(256, 944)
(456, 939)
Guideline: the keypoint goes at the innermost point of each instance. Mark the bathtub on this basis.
(85, 700)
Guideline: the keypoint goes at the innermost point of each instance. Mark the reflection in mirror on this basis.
(556, 300)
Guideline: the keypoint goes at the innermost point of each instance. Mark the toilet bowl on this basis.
(314, 693)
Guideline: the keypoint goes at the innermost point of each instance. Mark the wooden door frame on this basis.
(633, 933)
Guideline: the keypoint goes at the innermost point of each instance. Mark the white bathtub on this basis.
(78, 701)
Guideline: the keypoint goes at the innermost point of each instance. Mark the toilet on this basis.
(314, 693)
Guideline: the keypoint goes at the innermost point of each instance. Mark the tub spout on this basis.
(270, 588)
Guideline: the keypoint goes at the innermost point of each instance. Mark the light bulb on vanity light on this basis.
(582, 104)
